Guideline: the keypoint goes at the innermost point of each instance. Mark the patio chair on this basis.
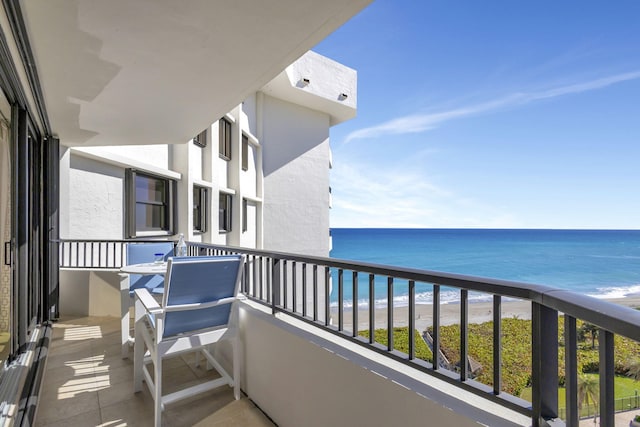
(138, 253)
(196, 310)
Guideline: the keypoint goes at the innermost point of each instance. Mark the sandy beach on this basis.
(479, 312)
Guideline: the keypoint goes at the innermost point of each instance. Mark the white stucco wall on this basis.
(152, 154)
(248, 178)
(248, 238)
(93, 199)
(295, 142)
(303, 377)
(249, 112)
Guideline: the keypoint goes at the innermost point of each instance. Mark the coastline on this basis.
(479, 312)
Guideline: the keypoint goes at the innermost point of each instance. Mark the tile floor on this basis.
(87, 383)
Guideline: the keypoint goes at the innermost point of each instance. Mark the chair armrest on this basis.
(182, 307)
(149, 303)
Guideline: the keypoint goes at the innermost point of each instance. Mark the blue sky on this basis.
(490, 114)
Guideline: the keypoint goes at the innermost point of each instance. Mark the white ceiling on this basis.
(159, 71)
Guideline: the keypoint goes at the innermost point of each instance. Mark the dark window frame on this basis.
(224, 139)
(169, 203)
(201, 139)
(245, 152)
(244, 215)
(225, 204)
(200, 208)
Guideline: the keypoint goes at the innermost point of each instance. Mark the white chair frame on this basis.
(151, 347)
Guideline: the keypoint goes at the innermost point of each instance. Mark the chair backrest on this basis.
(139, 253)
(198, 283)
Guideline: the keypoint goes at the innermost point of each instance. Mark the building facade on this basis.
(78, 79)
(258, 177)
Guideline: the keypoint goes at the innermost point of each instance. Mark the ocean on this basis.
(600, 263)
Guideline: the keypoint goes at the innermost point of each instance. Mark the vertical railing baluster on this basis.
(315, 292)
(571, 371)
(607, 374)
(327, 295)
(77, 254)
(62, 246)
(544, 363)
(412, 319)
(245, 276)
(464, 334)
(285, 284)
(354, 305)
(304, 289)
(390, 313)
(269, 275)
(91, 255)
(261, 276)
(256, 279)
(275, 280)
(340, 298)
(294, 287)
(372, 308)
(497, 344)
(435, 336)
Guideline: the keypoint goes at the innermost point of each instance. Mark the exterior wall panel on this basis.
(296, 178)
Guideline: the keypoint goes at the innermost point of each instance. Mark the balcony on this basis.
(88, 383)
(305, 364)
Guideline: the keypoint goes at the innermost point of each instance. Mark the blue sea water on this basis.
(601, 263)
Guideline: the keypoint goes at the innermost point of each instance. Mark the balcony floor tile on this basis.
(87, 383)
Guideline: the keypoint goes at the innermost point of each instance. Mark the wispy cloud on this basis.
(404, 198)
(417, 123)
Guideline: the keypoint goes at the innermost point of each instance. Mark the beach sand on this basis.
(479, 312)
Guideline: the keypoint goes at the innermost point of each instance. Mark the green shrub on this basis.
(401, 341)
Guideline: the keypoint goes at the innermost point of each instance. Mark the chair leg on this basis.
(157, 391)
(138, 359)
(236, 348)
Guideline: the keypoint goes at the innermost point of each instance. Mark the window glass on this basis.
(224, 212)
(201, 139)
(244, 215)
(225, 139)
(150, 217)
(200, 209)
(245, 152)
(150, 204)
(150, 189)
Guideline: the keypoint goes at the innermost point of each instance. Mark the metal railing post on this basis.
(607, 372)
(544, 363)
(497, 344)
(571, 371)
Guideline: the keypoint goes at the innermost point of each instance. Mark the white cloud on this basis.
(416, 123)
(402, 198)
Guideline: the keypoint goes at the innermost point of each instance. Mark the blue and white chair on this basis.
(197, 307)
(139, 253)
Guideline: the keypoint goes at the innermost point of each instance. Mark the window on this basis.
(201, 139)
(224, 212)
(200, 197)
(245, 152)
(225, 139)
(150, 204)
(244, 215)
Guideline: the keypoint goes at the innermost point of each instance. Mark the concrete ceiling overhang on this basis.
(160, 71)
